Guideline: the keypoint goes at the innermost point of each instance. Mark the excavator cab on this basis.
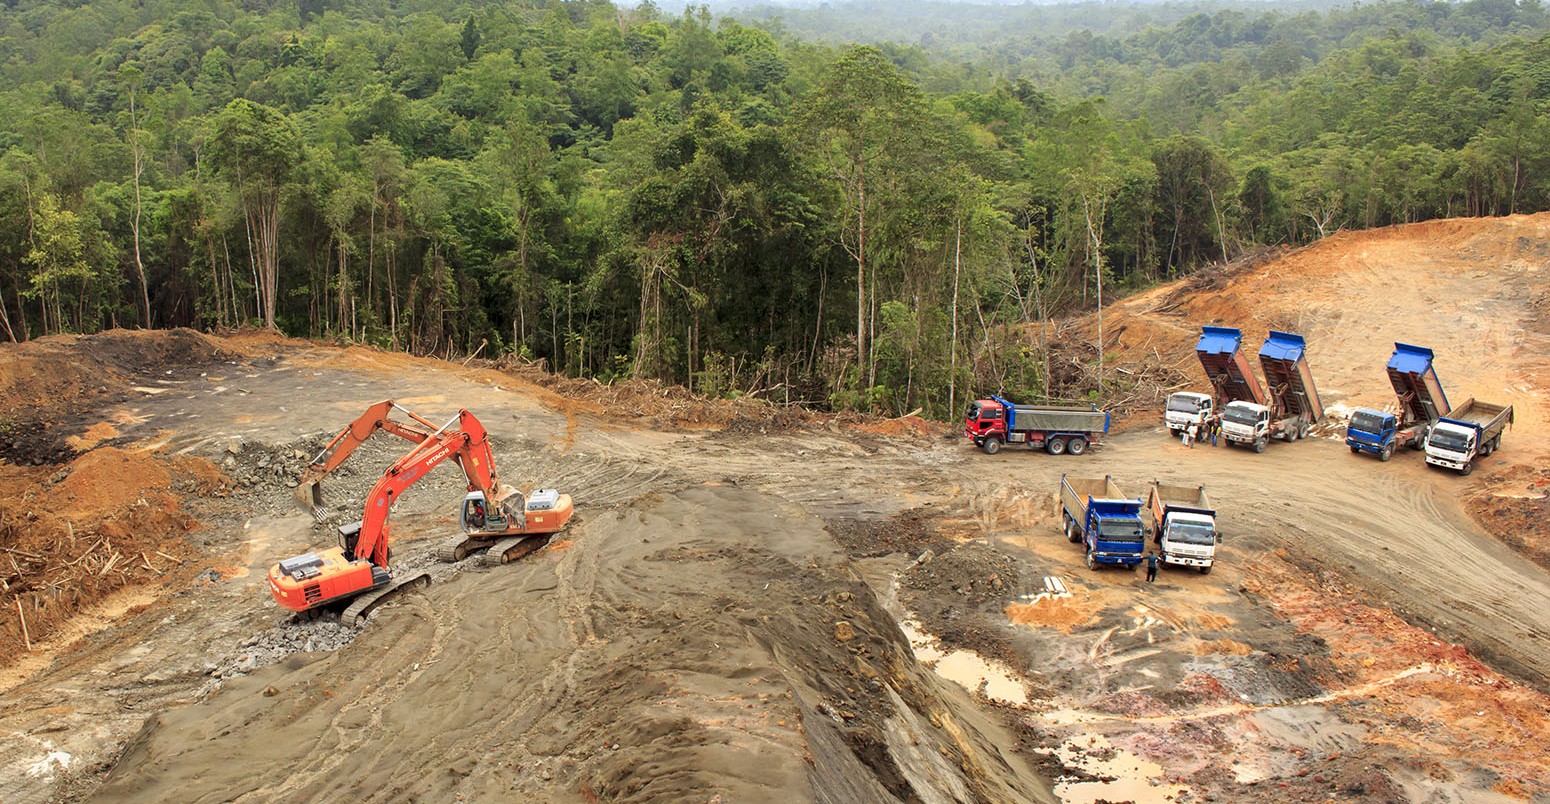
(507, 514)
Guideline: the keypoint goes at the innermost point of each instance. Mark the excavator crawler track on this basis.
(457, 548)
(508, 550)
(361, 607)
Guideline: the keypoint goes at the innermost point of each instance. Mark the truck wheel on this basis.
(1302, 432)
(1056, 446)
(1071, 534)
(991, 446)
(1259, 444)
(1468, 467)
(1496, 443)
(1386, 453)
(1077, 446)
(1092, 561)
(1355, 450)
(1206, 570)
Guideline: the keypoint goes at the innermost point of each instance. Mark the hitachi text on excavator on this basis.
(356, 573)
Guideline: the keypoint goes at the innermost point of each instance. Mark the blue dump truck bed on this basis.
(1421, 398)
(1226, 367)
(1293, 394)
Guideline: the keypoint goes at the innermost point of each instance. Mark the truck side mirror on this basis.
(1218, 538)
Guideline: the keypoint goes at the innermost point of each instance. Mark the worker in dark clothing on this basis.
(1151, 567)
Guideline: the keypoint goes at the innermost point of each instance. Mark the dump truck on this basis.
(1103, 519)
(1292, 406)
(1186, 408)
(992, 422)
(1183, 525)
(1421, 404)
(1470, 430)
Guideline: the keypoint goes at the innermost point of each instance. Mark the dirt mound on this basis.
(106, 520)
(51, 385)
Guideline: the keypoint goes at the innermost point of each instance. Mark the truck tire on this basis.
(1496, 443)
(1355, 449)
(1386, 453)
(1056, 446)
(1071, 535)
(1302, 432)
(1468, 467)
(1077, 446)
(1259, 444)
(1092, 561)
(991, 446)
(1206, 570)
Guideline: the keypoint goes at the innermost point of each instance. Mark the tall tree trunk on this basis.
(952, 363)
(139, 168)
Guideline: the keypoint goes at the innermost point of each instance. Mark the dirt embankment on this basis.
(79, 517)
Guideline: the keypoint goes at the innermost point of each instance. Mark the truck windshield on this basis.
(1240, 416)
(1183, 404)
(1119, 530)
(1366, 422)
(1191, 533)
(1449, 440)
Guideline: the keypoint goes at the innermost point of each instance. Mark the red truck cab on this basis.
(985, 417)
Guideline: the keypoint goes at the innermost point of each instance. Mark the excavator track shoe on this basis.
(455, 549)
(361, 607)
(506, 551)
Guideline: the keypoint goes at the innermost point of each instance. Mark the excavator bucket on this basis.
(309, 498)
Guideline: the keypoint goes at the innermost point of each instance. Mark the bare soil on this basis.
(759, 603)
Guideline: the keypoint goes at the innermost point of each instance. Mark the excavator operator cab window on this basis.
(474, 514)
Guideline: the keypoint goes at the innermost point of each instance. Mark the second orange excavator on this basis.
(356, 573)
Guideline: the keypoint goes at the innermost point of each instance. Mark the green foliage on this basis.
(741, 205)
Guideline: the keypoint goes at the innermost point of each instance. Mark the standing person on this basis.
(1191, 433)
(1216, 430)
(1151, 567)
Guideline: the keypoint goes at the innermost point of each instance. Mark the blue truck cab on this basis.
(1372, 431)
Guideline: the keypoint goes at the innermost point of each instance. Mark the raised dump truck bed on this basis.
(1421, 398)
(1226, 366)
(1293, 394)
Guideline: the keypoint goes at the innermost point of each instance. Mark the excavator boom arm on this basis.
(469, 446)
(309, 494)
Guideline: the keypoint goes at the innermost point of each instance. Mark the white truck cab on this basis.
(1186, 408)
(1452, 446)
(1246, 423)
(1189, 540)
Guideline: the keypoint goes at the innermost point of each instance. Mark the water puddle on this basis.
(965, 668)
(1123, 776)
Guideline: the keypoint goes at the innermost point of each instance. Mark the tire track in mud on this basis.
(611, 667)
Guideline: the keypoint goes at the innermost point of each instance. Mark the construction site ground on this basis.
(758, 604)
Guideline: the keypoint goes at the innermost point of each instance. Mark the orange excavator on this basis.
(494, 515)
